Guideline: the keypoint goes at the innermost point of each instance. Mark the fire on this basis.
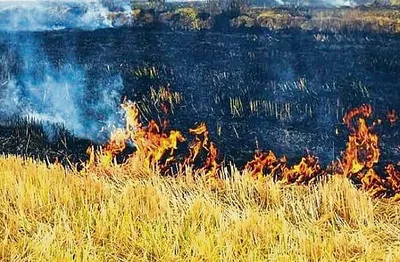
(378, 186)
(263, 161)
(165, 98)
(393, 173)
(307, 171)
(358, 162)
(362, 156)
(104, 157)
(157, 146)
(267, 163)
(151, 142)
(363, 110)
(92, 157)
(373, 184)
(392, 117)
(117, 142)
(362, 149)
(132, 116)
(202, 143)
(211, 166)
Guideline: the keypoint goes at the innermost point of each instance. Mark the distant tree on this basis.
(156, 4)
(159, 4)
(237, 5)
(216, 6)
(114, 5)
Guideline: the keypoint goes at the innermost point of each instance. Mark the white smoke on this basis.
(39, 15)
(59, 95)
(32, 87)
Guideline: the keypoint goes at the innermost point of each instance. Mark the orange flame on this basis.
(211, 166)
(202, 141)
(151, 143)
(373, 184)
(363, 110)
(362, 147)
(392, 117)
(261, 162)
(307, 171)
(156, 147)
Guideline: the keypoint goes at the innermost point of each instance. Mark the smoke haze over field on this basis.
(45, 15)
(34, 86)
(39, 15)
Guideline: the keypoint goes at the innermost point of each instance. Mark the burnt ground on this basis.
(304, 83)
(49, 143)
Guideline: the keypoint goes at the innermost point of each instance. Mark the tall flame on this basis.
(392, 117)
(202, 142)
(151, 142)
(362, 149)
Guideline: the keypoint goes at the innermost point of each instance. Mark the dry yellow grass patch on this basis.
(49, 214)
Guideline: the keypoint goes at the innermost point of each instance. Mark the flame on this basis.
(117, 142)
(362, 156)
(202, 142)
(307, 171)
(165, 98)
(378, 186)
(132, 116)
(107, 153)
(152, 144)
(362, 149)
(359, 160)
(156, 146)
(373, 184)
(92, 158)
(201, 129)
(164, 108)
(392, 117)
(211, 165)
(261, 162)
(363, 110)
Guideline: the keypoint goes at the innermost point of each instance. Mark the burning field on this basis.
(158, 147)
(152, 193)
(264, 143)
(173, 199)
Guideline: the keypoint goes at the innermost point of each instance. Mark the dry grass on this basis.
(382, 20)
(49, 214)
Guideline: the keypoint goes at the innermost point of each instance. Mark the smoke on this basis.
(40, 15)
(55, 15)
(33, 87)
(316, 3)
